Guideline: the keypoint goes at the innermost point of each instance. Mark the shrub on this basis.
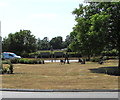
(29, 61)
(113, 52)
(7, 69)
(14, 61)
(43, 62)
(26, 61)
(4, 62)
(40, 62)
(95, 59)
(10, 67)
(20, 60)
(105, 58)
(34, 61)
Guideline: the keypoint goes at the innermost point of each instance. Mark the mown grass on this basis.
(57, 76)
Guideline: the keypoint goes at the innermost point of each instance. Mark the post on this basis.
(0, 58)
(119, 58)
(0, 50)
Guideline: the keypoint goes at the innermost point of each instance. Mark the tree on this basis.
(56, 42)
(74, 45)
(97, 27)
(67, 41)
(38, 44)
(84, 36)
(114, 31)
(43, 44)
(5, 44)
(20, 42)
(111, 27)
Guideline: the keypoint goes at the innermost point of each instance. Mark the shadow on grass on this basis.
(115, 71)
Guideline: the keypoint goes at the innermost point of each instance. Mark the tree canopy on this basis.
(97, 28)
(21, 42)
(56, 42)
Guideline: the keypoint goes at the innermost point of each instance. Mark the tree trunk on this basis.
(89, 57)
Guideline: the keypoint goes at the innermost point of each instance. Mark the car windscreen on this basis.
(12, 54)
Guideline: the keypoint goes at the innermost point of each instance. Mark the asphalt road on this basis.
(13, 94)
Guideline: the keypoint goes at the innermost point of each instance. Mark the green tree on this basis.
(43, 44)
(56, 42)
(110, 25)
(82, 35)
(21, 43)
(38, 44)
(97, 27)
(67, 41)
(74, 45)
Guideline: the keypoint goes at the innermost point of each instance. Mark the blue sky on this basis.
(45, 18)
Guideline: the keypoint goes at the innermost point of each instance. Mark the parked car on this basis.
(9, 55)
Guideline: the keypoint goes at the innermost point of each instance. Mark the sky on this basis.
(44, 18)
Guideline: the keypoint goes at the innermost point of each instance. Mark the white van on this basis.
(9, 55)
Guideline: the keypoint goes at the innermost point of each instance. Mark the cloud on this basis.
(3, 4)
(45, 15)
(53, 0)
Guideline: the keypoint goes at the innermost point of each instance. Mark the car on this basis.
(9, 55)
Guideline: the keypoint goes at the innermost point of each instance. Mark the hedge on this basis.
(29, 61)
(113, 52)
(53, 54)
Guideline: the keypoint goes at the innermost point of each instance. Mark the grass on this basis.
(57, 76)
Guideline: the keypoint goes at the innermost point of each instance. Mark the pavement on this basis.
(6, 94)
(14, 93)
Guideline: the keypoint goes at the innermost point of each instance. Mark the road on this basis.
(13, 94)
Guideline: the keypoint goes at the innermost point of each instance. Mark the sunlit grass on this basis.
(57, 76)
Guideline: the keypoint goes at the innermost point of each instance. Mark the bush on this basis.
(113, 52)
(21, 60)
(14, 61)
(29, 61)
(26, 61)
(4, 62)
(95, 59)
(105, 58)
(8, 69)
(11, 69)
